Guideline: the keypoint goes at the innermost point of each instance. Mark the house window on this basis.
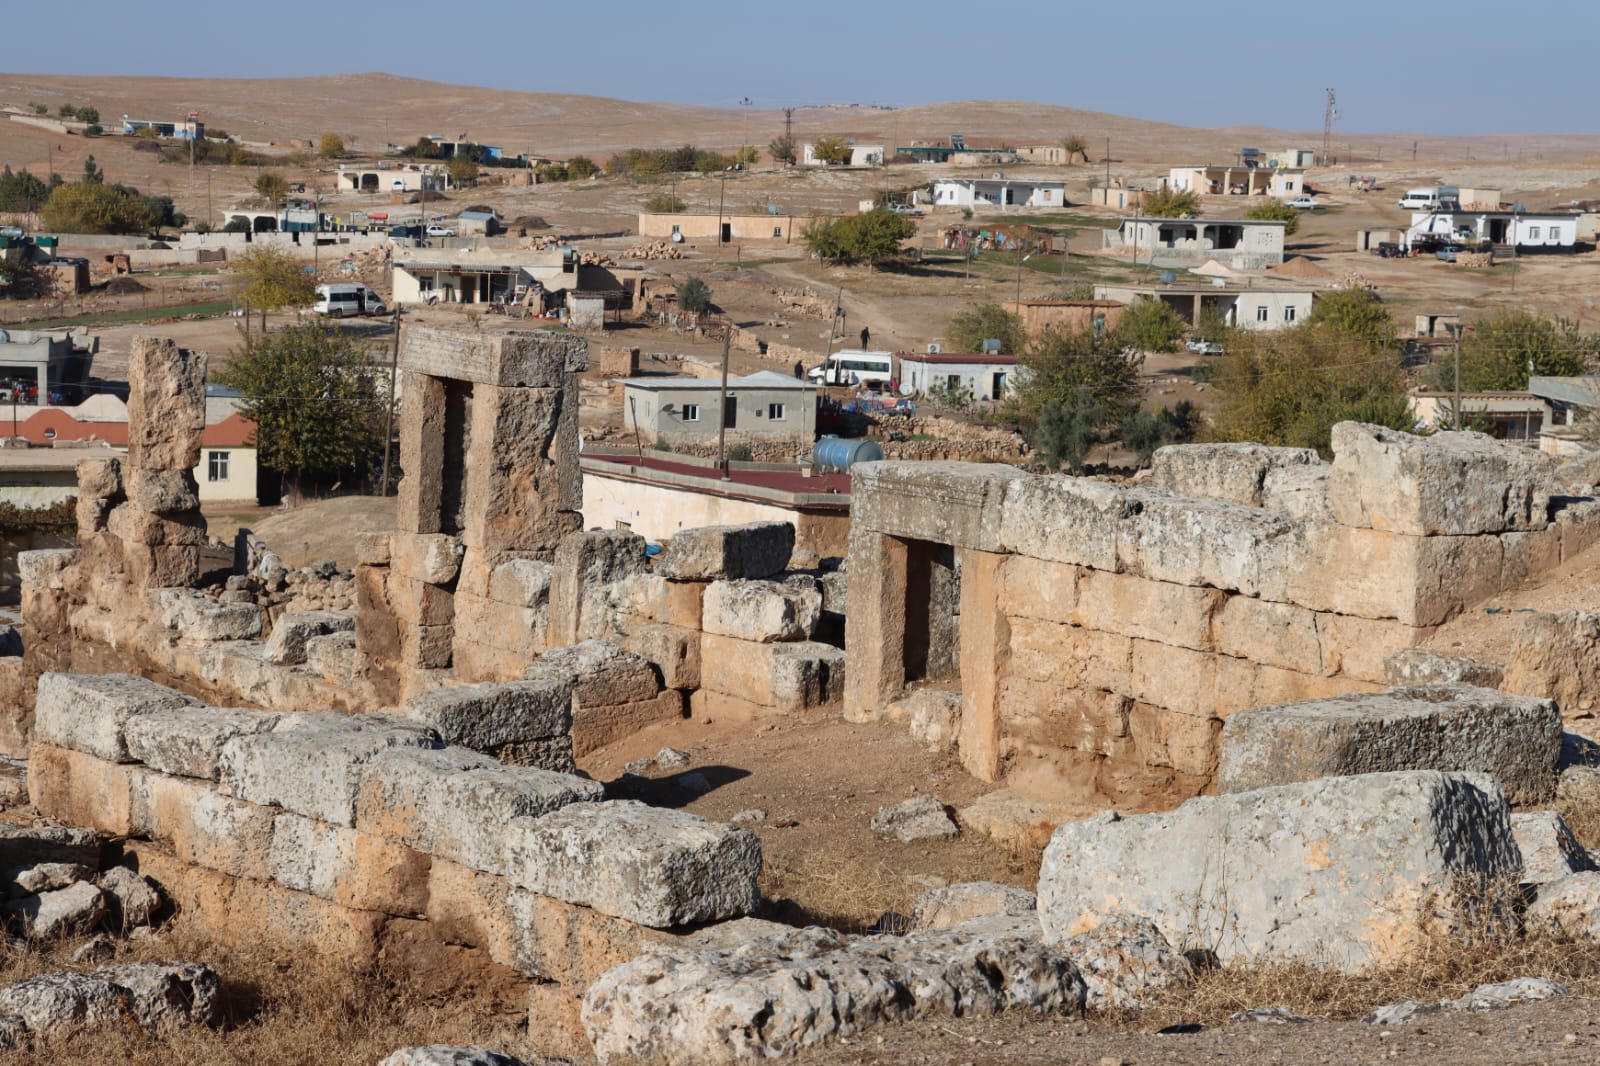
(216, 466)
(691, 412)
(675, 234)
(1261, 314)
(777, 232)
(1533, 233)
(1288, 314)
(775, 411)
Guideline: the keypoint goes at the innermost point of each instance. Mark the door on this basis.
(727, 232)
(730, 412)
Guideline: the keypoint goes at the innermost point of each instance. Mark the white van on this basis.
(855, 366)
(347, 301)
(1429, 199)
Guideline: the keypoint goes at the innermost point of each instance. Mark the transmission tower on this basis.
(1328, 117)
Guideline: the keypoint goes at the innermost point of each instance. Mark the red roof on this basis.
(950, 358)
(52, 424)
(709, 479)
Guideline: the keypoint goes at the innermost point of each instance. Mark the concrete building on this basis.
(189, 129)
(762, 406)
(861, 155)
(981, 377)
(693, 226)
(1505, 229)
(1570, 400)
(38, 364)
(1243, 244)
(659, 495)
(1258, 307)
(1072, 315)
(1503, 415)
(409, 177)
(1230, 180)
(998, 191)
(477, 274)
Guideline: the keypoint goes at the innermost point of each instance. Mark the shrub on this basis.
(967, 330)
(1169, 203)
(741, 453)
(1275, 210)
(1150, 325)
(694, 295)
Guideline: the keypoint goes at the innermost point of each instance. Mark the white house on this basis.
(761, 406)
(1240, 243)
(983, 377)
(1286, 183)
(1245, 307)
(999, 191)
(861, 155)
(1527, 232)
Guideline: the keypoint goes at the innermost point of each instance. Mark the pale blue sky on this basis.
(1463, 66)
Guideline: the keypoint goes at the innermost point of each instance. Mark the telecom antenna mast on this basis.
(1328, 117)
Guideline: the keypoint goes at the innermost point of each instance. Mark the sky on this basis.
(1464, 67)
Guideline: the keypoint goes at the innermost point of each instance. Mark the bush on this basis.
(967, 330)
(89, 115)
(1274, 210)
(741, 453)
(1147, 431)
(1069, 366)
(1504, 348)
(1169, 203)
(1067, 429)
(662, 203)
(93, 129)
(1150, 325)
(331, 146)
(581, 167)
(694, 295)
(1355, 311)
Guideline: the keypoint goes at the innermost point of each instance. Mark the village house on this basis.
(38, 364)
(763, 406)
(680, 226)
(1504, 415)
(409, 177)
(1070, 315)
(1242, 244)
(480, 274)
(988, 376)
(1230, 180)
(861, 155)
(999, 191)
(1526, 232)
(1257, 306)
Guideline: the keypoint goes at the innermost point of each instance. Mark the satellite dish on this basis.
(677, 238)
(906, 388)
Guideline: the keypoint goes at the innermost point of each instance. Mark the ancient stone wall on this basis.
(1106, 631)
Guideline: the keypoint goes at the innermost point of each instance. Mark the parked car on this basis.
(905, 209)
(1305, 203)
(441, 231)
(1202, 347)
(1448, 253)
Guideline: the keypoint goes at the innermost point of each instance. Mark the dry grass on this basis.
(276, 1010)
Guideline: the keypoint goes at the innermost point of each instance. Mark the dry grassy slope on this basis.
(357, 105)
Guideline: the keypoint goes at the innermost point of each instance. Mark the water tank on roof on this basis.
(835, 455)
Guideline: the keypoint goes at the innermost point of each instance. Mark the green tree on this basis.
(93, 207)
(423, 149)
(967, 330)
(93, 129)
(273, 280)
(1211, 326)
(1146, 431)
(67, 111)
(711, 162)
(871, 236)
(165, 213)
(694, 295)
(315, 398)
(831, 150)
(92, 173)
(1355, 311)
(1272, 209)
(89, 115)
(1504, 349)
(21, 191)
(1167, 202)
(783, 150)
(581, 167)
(1150, 325)
(463, 169)
(663, 203)
(1065, 365)
(1067, 428)
(330, 146)
(747, 156)
(272, 188)
(39, 109)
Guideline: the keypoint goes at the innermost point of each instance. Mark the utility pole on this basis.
(722, 403)
(1455, 334)
(1329, 113)
(788, 131)
(722, 197)
(1108, 162)
(388, 417)
(744, 136)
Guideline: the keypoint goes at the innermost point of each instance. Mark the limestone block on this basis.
(600, 673)
(133, 899)
(1527, 556)
(187, 740)
(921, 818)
(1569, 906)
(1233, 472)
(586, 565)
(1371, 573)
(1125, 963)
(1045, 718)
(293, 630)
(1037, 588)
(761, 611)
(311, 763)
(658, 867)
(353, 869)
(1456, 484)
(954, 503)
(553, 940)
(672, 650)
(194, 616)
(790, 676)
(164, 566)
(432, 558)
(1066, 520)
(45, 568)
(87, 712)
(1148, 610)
(934, 718)
(941, 908)
(1549, 850)
(516, 358)
(1343, 872)
(711, 553)
(1420, 666)
(71, 911)
(522, 582)
(486, 716)
(164, 492)
(1579, 524)
(1557, 655)
(456, 804)
(1185, 742)
(1437, 727)
(427, 647)
(26, 846)
(449, 1055)
(80, 789)
(1298, 491)
(523, 484)
(1211, 543)
(1176, 678)
(372, 549)
(166, 405)
(1278, 634)
(1360, 648)
(596, 725)
(204, 827)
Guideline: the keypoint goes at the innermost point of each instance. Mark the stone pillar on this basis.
(159, 523)
(875, 624)
(985, 645)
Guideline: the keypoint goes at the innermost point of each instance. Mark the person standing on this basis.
(866, 337)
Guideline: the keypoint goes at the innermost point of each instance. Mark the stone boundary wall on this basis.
(336, 834)
(1107, 630)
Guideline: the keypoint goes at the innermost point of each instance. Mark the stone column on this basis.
(985, 645)
(875, 624)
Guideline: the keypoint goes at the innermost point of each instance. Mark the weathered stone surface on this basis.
(1210, 543)
(45, 567)
(1298, 491)
(46, 876)
(203, 827)
(311, 763)
(1433, 727)
(761, 611)
(1503, 994)
(293, 630)
(449, 1055)
(1549, 850)
(1569, 905)
(1125, 962)
(1233, 472)
(353, 869)
(1066, 520)
(166, 405)
(1400, 1013)
(194, 616)
(188, 740)
(1419, 666)
(1343, 872)
(934, 717)
(660, 868)
(522, 582)
(922, 818)
(487, 716)
(56, 1001)
(167, 995)
(87, 712)
(778, 995)
(954, 503)
(587, 567)
(333, 656)
(1268, 1016)
(1558, 656)
(133, 899)
(24, 846)
(601, 673)
(1448, 483)
(787, 676)
(711, 553)
(673, 650)
(70, 911)
(434, 558)
(941, 908)
(522, 358)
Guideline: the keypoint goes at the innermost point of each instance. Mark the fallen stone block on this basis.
(1503, 994)
(1516, 739)
(295, 629)
(1569, 906)
(87, 712)
(1340, 872)
(71, 911)
(1557, 655)
(188, 740)
(133, 900)
(601, 673)
(660, 868)
(311, 763)
(1233, 472)
(710, 553)
(47, 876)
(778, 995)
(1549, 850)
(1419, 666)
(156, 996)
(487, 716)
(941, 908)
(761, 611)
(194, 616)
(922, 818)
(1126, 962)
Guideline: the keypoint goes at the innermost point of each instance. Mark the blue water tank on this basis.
(835, 455)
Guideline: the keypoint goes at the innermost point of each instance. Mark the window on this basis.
(691, 412)
(216, 466)
(1288, 314)
(675, 233)
(1533, 233)
(775, 411)
(777, 232)
(1261, 314)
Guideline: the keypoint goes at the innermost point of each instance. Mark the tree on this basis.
(1168, 202)
(316, 401)
(164, 213)
(424, 149)
(89, 115)
(747, 156)
(967, 330)
(1073, 145)
(21, 191)
(1355, 311)
(331, 146)
(93, 129)
(1147, 431)
(872, 236)
(273, 280)
(580, 167)
(93, 207)
(782, 150)
(1065, 365)
(463, 169)
(694, 295)
(272, 188)
(831, 150)
(1067, 429)
(663, 203)
(1505, 348)
(711, 162)
(1150, 325)
(93, 174)
(1272, 209)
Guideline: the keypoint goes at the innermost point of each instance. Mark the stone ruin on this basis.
(1231, 644)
